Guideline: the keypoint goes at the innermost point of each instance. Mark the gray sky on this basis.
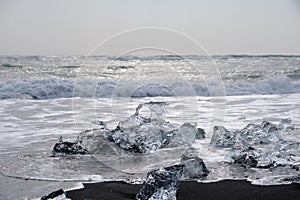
(57, 27)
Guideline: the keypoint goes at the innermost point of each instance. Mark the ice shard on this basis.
(161, 184)
(144, 135)
(183, 136)
(263, 133)
(194, 167)
(285, 124)
(68, 148)
(246, 157)
(222, 137)
(56, 195)
(200, 134)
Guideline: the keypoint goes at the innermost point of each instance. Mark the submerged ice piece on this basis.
(68, 148)
(222, 137)
(161, 184)
(194, 167)
(246, 157)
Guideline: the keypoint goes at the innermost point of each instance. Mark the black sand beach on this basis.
(225, 190)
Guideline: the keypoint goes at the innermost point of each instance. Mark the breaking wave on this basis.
(62, 88)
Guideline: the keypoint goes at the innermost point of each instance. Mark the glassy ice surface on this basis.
(194, 168)
(140, 141)
(161, 184)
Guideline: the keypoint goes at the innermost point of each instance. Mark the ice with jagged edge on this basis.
(262, 153)
(141, 143)
(161, 184)
(138, 134)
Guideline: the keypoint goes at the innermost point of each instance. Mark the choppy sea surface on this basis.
(45, 97)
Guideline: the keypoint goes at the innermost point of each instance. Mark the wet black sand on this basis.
(225, 190)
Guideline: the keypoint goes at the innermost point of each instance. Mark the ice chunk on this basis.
(263, 133)
(194, 167)
(156, 110)
(200, 134)
(101, 124)
(139, 134)
(183, 136)
(293, 179)
(56, 195)
(282, 155)
(222, 137)
(285, 124)
(246, 157)
(142, 139)
(296, 179)
(161, 184)
(68, 148)
(95, 141)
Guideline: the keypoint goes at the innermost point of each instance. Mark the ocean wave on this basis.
(60, 88)
(11, 66)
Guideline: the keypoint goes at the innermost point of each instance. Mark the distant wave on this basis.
(154, 57)
(10, 65)
(262, 56)
(197, 57)
(59, 88)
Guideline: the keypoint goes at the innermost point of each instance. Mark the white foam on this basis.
(59, 88)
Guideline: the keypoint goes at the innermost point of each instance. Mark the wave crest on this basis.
(60, 88)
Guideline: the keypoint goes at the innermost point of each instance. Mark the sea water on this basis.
(43, 98)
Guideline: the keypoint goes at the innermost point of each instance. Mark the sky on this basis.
(75, 27)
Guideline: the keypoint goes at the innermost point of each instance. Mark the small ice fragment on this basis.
(294, 179)
(200, 134)
(68, 148)
(285, 124)
(101, 124)
(56, 195)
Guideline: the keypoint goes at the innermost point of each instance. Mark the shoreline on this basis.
(225, 190)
